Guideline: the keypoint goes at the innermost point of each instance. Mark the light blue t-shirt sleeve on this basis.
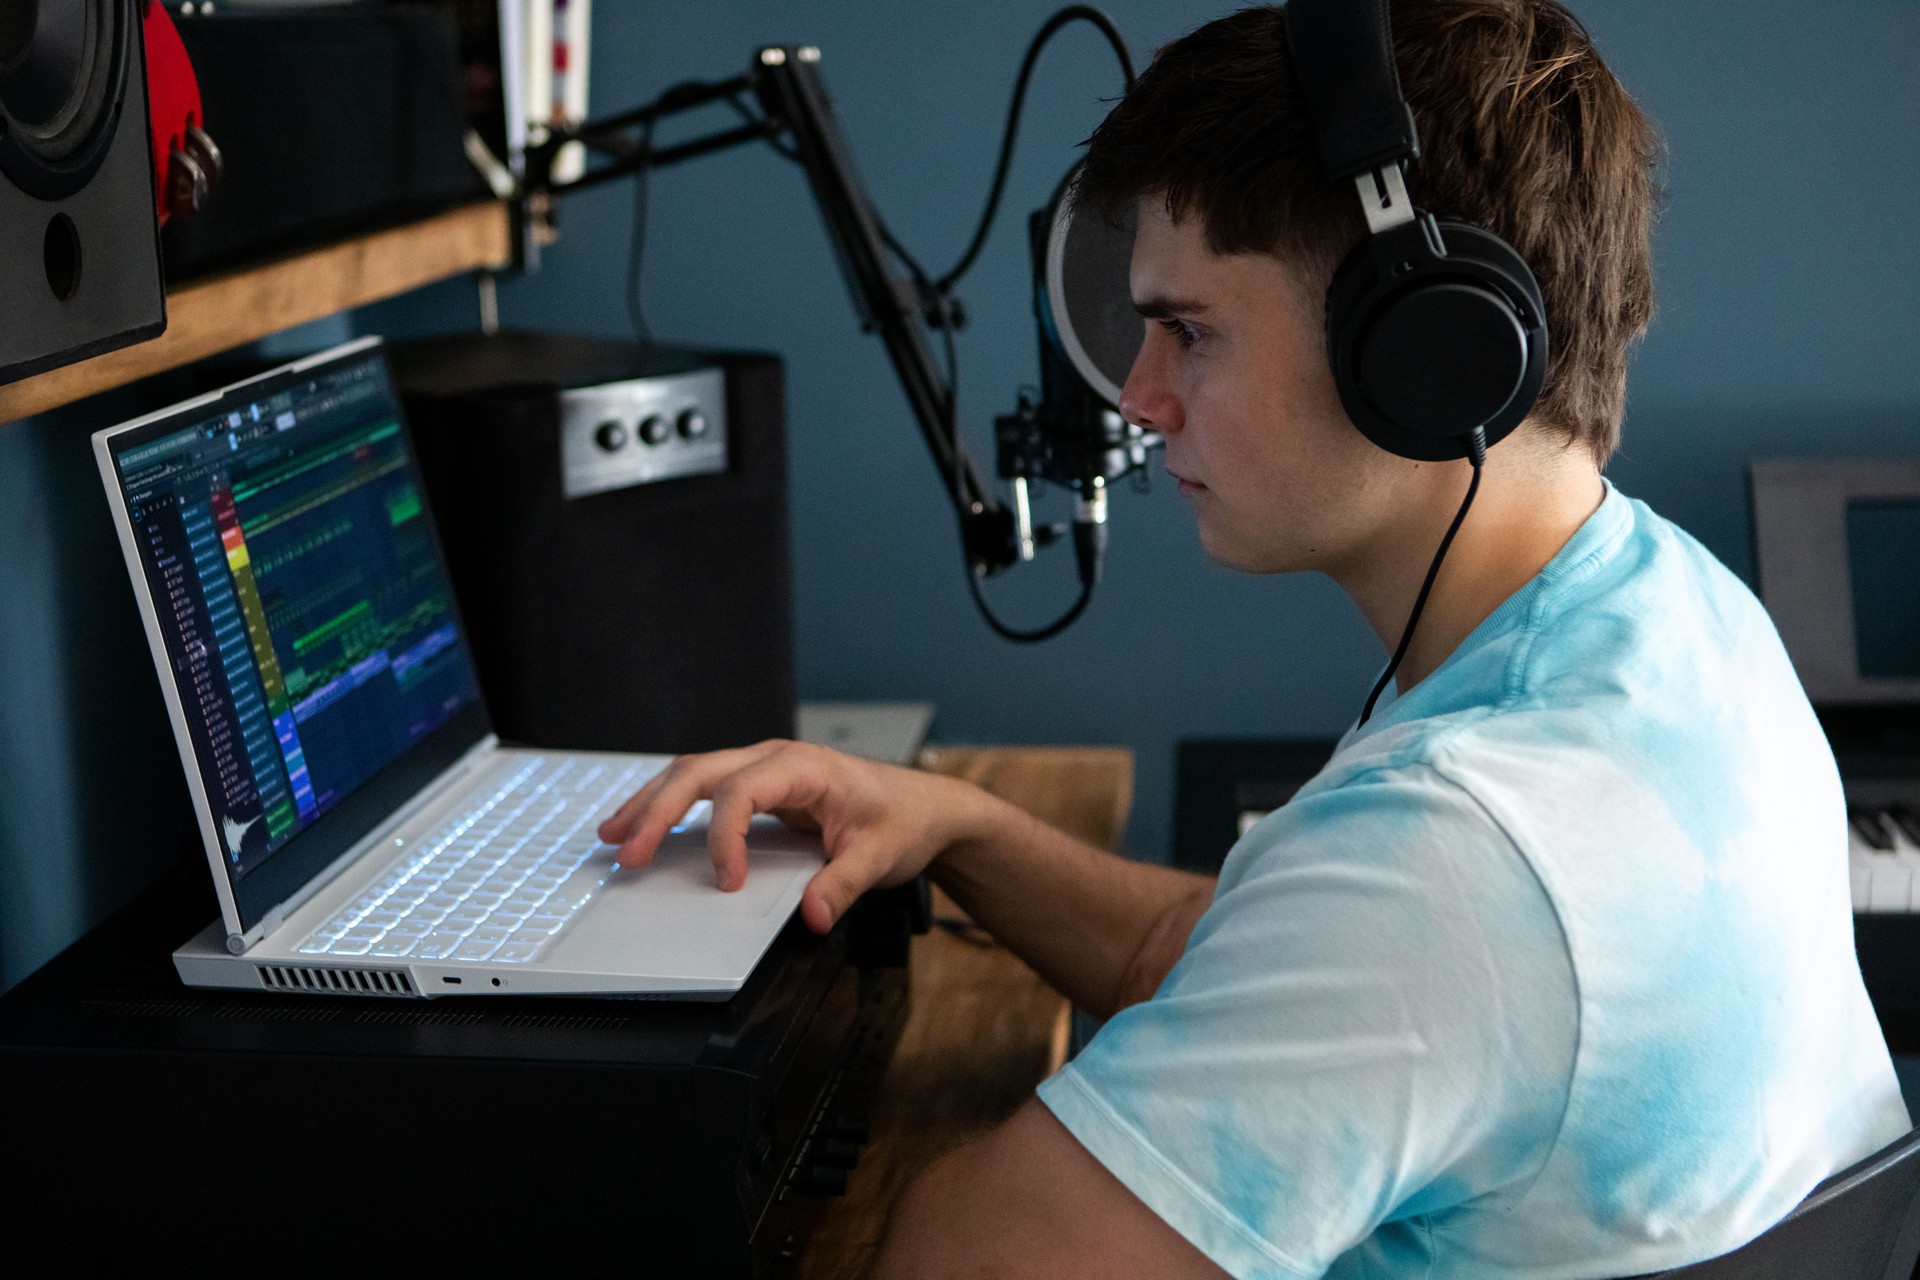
(1374, 1022)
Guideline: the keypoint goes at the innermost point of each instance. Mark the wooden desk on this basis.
(983, 1029)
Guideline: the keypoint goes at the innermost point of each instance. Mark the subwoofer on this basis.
(79, 240)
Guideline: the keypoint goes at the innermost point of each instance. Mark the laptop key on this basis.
(471, 950)
(437, 946)
(517, 951)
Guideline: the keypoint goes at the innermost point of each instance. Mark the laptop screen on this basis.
(306, 613)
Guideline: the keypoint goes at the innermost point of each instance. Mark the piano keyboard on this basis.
(1884, 859)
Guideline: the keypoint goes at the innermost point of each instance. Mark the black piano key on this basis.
(1908, 820)
(1871, 825)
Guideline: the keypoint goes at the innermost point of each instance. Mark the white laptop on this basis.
(367, 832)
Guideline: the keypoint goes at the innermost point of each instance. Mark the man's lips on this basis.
(1187, 487)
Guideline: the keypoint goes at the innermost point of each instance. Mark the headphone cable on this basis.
(1477, 455)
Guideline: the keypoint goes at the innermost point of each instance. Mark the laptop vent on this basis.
(353, 982)
(145, 1008)
(417, 1018)
(260, 1011)
(566, 1021)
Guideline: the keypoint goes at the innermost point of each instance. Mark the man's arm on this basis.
(1028, 1202)
(1101, 929)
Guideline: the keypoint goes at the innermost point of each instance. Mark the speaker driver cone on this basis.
(62, 67)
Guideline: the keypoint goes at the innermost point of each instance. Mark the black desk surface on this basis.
(540, 1131)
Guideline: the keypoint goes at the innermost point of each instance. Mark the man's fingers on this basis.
(782, 780)
(835, 888)
(643, 821)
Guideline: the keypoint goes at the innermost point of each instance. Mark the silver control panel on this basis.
(621, 434)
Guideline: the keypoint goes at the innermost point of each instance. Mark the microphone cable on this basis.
(1072, 13)
(1477, 455)
(943, 287)
(637, 247)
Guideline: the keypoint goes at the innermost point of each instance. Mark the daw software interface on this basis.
(301, 595)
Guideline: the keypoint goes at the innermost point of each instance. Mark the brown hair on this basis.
(1523, 130)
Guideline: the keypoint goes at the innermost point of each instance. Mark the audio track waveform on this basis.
(315, 499)
(273, 476)
(295, 613)
(289, 555)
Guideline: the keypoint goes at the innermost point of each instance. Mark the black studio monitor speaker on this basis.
(615, 523)
(79, 243)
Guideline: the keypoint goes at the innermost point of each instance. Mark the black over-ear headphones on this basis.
(1434, 328)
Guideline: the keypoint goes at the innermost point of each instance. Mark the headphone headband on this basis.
(1343, 55)
(1436, 331)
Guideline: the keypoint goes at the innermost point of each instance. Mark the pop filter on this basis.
(1086, 309)
(1089, 335)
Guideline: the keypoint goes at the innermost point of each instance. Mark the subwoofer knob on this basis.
(654, 429)
(610, 435)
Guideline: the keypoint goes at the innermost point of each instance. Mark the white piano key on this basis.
(1909, 859)
(1891, 889)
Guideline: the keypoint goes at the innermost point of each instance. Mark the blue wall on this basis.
(1789, 323)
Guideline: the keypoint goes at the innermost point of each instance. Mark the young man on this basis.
(1549, 972)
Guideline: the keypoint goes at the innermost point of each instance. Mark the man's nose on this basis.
(1147, 400)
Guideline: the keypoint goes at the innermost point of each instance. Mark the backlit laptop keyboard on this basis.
(486, 885)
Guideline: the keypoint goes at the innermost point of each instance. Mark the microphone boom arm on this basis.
(796, 111)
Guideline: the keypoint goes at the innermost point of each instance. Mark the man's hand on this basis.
(1102, 929)
(881, 825)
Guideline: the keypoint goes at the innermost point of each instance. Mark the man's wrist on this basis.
(971, 818)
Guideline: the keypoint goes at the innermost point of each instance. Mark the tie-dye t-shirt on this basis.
(1549, 972)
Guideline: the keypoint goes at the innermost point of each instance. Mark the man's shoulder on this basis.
(1635, 652)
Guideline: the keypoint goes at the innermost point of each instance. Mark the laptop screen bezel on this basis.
(247, 901)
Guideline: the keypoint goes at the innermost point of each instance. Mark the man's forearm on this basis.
(1100, 928)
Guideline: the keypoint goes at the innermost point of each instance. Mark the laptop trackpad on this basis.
(679, 880)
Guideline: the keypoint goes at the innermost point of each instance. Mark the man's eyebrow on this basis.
(1160, 308)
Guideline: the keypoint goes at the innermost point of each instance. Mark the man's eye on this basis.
(1182, 332)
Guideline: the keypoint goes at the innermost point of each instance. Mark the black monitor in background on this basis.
(1837, 562)
(1883, 571)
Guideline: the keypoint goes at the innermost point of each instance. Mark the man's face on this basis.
(1234, 373)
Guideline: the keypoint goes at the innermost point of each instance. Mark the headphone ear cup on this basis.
(1426, 346)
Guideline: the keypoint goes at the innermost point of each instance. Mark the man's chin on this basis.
(1237, 555)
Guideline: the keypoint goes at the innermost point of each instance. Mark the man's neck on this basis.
(1533, 496)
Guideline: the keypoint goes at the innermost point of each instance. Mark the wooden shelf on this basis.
(218, 314)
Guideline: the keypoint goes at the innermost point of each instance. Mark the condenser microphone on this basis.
(1073, 435)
